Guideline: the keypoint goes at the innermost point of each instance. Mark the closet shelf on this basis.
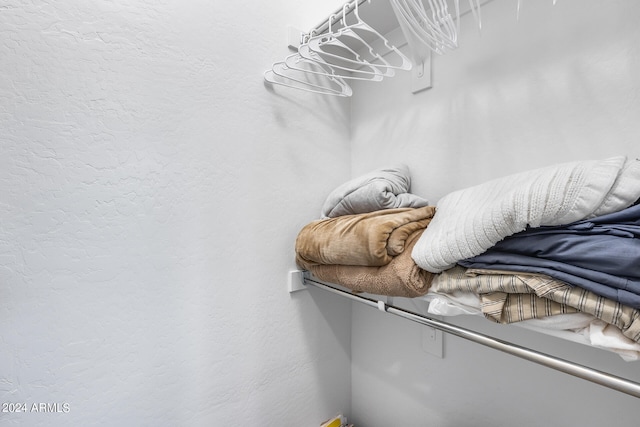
(602, 378)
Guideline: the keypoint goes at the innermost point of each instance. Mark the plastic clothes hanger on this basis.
(408, 21)
(343, 56)
(441, 24)
(441, 15)
(419, 49)
(475, 10)
(428, 30)
(357, 34)
(281, 74)
(338, 51)
(299, 62)
(271, 77)
(444, 23)
(457, 6)
(365, 72)
(404, 62)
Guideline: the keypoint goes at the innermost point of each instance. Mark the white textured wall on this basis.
(151, 188)
(561, 84)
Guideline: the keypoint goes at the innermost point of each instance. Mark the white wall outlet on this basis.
(296, 281)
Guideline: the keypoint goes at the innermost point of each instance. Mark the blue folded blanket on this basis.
(601, 254)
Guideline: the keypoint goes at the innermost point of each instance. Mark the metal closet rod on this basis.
(324, 25)
(616, 383)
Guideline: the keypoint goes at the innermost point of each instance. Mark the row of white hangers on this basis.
(351, 49)
(324, 62)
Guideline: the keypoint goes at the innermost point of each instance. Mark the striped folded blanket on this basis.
(508, 298)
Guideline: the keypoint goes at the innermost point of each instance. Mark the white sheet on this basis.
(580, 328)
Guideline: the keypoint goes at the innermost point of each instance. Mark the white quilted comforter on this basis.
(469, 221)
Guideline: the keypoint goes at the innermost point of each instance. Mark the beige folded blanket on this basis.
(370, 239)
(401, 277)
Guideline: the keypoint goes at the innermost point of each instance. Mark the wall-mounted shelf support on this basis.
(421, 74)
(296, 281)
(294, 38)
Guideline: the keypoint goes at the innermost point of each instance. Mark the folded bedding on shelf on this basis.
(386, 188)
(504, 298)
(480, 282)
(469, 304)
(401, 277)
(370, 239)
(619, 289)
(601, 254)
(367, 243)
(580, 327)
(470, 221)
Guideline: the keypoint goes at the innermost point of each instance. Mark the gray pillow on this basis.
(386, 188)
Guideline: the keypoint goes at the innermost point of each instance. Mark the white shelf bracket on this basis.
(296, 281)
(294, 38)
(421, 74)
